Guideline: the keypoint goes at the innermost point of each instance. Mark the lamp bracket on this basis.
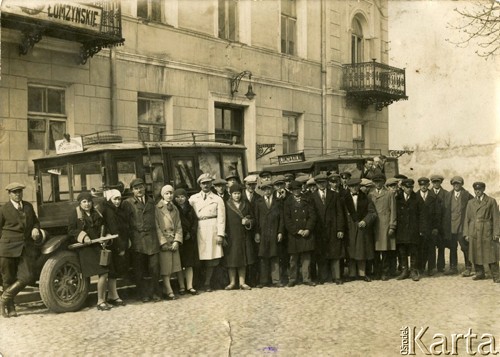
(235, 81)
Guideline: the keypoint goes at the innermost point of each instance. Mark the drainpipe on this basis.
(324, 127)
(112, 89)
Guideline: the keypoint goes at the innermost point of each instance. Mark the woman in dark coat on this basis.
(189, 247)
(270, 230)
(86, 224)
(117, 220)
(239, 251)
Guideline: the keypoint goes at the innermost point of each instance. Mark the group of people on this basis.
(288, 230)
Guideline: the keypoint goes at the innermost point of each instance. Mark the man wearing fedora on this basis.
(455, 204)
(211, 213)
(145, 244)
(482, 230)
(19, 236)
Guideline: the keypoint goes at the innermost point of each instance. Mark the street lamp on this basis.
(235, 83)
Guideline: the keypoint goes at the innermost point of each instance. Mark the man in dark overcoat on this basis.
(270, 231)
(19, 236)
(300, 220)
(482, 230)
(281, 194)
(250, 196)
(361, 214)
(455, 204)
(145, 244)
(431, 224)
(329, 230)
(440, 194)
(408, 230)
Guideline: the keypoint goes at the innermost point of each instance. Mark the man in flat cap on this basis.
(408, 232)
(145, 244)
(455, 204)
(440, 194)
(482, 230)
(329, 230)
(211, 213)
(281, 195)
(334, 182)
(384, 228)
(219, 187)
(19, 236)
(361, 214)
(431, 224)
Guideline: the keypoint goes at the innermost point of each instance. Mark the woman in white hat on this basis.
(169, 229)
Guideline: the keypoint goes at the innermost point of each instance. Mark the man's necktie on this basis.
(268, 202)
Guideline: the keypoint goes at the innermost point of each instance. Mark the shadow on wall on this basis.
(472, 162)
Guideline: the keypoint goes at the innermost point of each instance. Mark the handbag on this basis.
(105, 258)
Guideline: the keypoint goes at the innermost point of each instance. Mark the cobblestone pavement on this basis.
(355, 319)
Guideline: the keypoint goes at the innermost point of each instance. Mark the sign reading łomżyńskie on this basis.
(289, 158)
(70, 14)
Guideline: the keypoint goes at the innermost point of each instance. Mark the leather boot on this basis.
(11, 308)
(7, 299)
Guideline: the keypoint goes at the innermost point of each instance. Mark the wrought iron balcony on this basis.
(373, 83)
(95, 25)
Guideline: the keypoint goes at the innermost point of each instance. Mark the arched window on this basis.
(356, 42)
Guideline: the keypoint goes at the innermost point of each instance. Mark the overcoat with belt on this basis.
(330, 219)
(144, 238)
(269, 223)
(481, 225)
(385, 206)
(360, 239)
(299, 215)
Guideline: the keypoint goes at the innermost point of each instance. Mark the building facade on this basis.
(273, 75)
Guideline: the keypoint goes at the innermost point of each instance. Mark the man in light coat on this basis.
(211, 213)
(482, 231)
(385, 225)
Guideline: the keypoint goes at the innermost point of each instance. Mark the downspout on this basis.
(112, 89)
(324, 127)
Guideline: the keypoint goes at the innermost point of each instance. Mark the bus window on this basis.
(87, 176)
(184, 175)
(55, 186)
(126, 171)
(209, 163)
(232, 162)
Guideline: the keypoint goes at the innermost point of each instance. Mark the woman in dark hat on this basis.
(239, 251)
(189, 248)
(86, 224)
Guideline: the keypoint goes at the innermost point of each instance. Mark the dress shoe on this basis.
(348, 279)
(103, 307)
(496, 280)
(404, 275)
(155, 298)
(192, 291)
(339, 281)
(452, 271)
(310, 283)
(146, 299)
(259, 286)
(245, 287)
(430, 272)
(384, 278)
(367, 278)
(415, 276)
(230, 287)
(278, 285)
(290, 284)
(171, 296)
(479, 277)
(467, 273)
(117, 302)
(207, 288)
(182, 291)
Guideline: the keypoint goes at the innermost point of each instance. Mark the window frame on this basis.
(288, 35)
(151, 15)
(229, 16)
(290, 137)
(151, 126)
(357, 41)
(49, 118)
(221, 132)
(358, 141)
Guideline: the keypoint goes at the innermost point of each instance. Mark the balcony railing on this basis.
(373, 83)
(95, 25)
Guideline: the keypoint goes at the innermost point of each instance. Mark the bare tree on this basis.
(481, 25)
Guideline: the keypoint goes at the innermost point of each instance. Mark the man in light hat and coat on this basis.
(20, 235)
(455, 204)
(145, 244)
(440, 195)
(384, 228)
(482, 230)
(211, 213)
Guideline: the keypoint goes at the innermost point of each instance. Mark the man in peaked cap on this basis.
(211, 213)
(220, 188)
(280, 196)
(454, 206)
(19, 236)
(482, 231)
(440, 194)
